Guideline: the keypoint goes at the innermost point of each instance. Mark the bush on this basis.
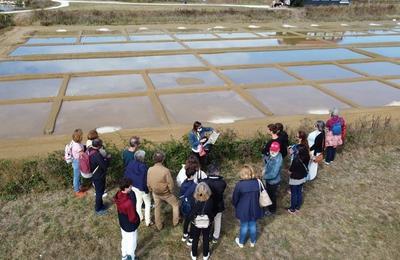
(6, 21)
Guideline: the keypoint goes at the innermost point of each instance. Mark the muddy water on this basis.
(23, 89)
(185, 79)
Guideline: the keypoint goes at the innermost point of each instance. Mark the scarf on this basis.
(125, 206)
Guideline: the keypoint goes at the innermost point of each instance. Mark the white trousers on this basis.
(217, 225)
(140, 197)
(312, 166)
(128, 244)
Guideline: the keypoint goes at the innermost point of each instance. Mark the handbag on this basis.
(264, 199)
(202, 221)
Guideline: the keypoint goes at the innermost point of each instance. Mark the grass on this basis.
(350, 211)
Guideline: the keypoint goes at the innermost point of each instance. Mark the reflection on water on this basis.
(94, 39)
(257, 75)
(320, 72)
(367, 93)
(295, 100)
(376, 68)
(185, 79)
(104, 64)
(105, 84)
(29, 88)
(51, 40)
(268, 57)
(392, 52)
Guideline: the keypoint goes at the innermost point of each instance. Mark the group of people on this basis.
(201, 196)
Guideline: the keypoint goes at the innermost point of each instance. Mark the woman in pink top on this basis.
(76, 150)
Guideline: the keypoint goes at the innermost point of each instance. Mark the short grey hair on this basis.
(139, 155)
(334, 111)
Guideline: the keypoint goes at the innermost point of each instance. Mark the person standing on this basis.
(192, 164)
(217, 185)
(128, 218)
(129, 153)
(283, 139)
(245, 199)
(273, 131)
(136, 171)
(272, 175)
(202, 216)
(187, 202)
(98, 166)
(77, 149)
(197, 139)
(161, 185)
(298, 173)
(316, 140)
(335, 136)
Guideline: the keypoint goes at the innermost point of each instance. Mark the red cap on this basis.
(275, 147)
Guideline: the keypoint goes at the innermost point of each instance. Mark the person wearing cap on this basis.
(99, 176)
(129, 153)
(272, 175)
(334, 124)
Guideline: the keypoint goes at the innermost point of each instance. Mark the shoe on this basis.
(184, 237)
(252, 244)
(206, 257)
(80, 194)
(268, 213)
(214, 240)
(101, 212)
(297, 211)
(291, 211)
(150, 224)
(193, 257)
(327, 163)
(238, 243)
(104, 194)
(189, 242)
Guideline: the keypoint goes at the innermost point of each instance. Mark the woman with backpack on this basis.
(335, 136)
(246, 200)
(128, 218)
(316, 140)
(187, 201)
(201, 215)
(77, 149)
(298, 173)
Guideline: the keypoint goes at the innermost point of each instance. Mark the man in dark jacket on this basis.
(128, 218)
(98, 166)
(217, 185)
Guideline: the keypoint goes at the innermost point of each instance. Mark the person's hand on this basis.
(203, 140)
(108, 156)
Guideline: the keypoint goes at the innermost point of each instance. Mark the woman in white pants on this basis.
(316, 142)
(128, 218)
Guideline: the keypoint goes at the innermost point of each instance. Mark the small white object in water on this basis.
(288, 26)
(393, 104)
(103, 30)
(253, 26)
(219, 27)
(181, 28)
(108, 129)
(319, 112)
(314, 25)
(61, 30)
(398, 23)
(143, 28)
(224, 120)
(375, 24)
(344, 24)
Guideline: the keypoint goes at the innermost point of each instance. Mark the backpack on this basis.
(84, 164)
(337, 128)
(68, 153)
(186, 206)
(202, 221)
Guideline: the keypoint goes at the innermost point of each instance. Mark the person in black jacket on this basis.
(283, 139)
(99, 165)
(217, 185)
(203, 208)
(274, 132)
(298, 173)
(128, 217)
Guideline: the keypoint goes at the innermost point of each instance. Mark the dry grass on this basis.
(350, 211)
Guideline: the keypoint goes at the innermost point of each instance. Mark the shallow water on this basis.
(296, 100)
(376, 68)
(236, 35)
(369, 39)
(185, 79)
(51, 40)
(232, 43)
(150, 37)
(392, 52)
(105, 85)
(321, 72)
(257, 75)
(29, 88)
(195, 36)
(95, 39)
(367, 93)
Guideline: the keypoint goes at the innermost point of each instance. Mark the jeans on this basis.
(77, 174)
(128, 244)
(206, 240)
(330, 154)
(272, 190)
(99, 186)
(296, 196)
(140, 197)
(250, 227)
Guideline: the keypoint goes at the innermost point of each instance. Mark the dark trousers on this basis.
(186, 223)
(296, 197)
(272, 190)
(206, 239)
(203, 160)
(99, 186)
(330, 154)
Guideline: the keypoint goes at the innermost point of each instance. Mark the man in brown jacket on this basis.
(161, 184)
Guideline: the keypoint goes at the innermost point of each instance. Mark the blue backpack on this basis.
(337, 128)
(186, 206)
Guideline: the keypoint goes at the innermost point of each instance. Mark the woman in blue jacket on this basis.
(245, 199)
(198, 137)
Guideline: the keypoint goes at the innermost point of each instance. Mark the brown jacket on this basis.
(159, 180)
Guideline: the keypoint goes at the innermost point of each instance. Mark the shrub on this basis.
(6, 21)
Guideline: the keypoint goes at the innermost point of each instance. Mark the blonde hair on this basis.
(202, 192)
(77, 135)
(247, 172)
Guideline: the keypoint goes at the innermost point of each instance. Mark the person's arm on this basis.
(318, 146)
(170, 181)
(100, 161)
(274, 169)
(145, 170)
(235, 196)
(193, 140)
(149, 181)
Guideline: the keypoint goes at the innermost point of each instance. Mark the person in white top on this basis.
(316, 142)
(192, 163)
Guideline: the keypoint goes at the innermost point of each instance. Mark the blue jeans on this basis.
(77, 174)
(99, 186)
(330, 154)
(250, 227)
(296, 197)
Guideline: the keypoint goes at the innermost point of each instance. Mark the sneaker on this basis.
(80, 194)
(252, 244)
(189, 242)
(149, 224)
(184, 237)
(206, 257)
(104, 194)
(101, 212)
(268, 213)
(291, 211)
(327, 163)
(238, 243)
(193, 257)
(214, 240)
